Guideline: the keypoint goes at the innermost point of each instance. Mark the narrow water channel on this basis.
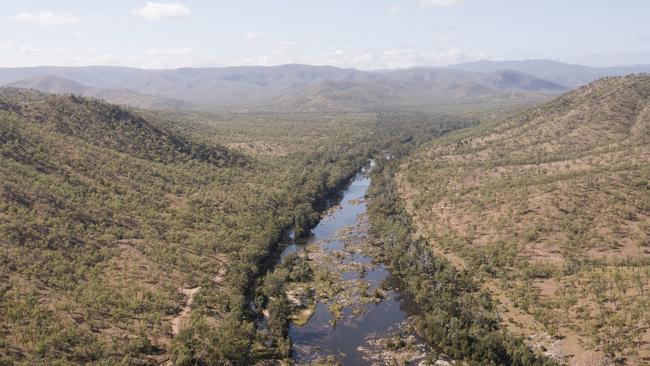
(352, 335)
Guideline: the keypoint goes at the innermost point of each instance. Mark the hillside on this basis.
(94, 229)
(550, 209)
(107, 218)
(58, 85)
(108, 126)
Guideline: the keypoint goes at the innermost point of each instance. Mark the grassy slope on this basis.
(551, 209)
(100, 225)
(104, 215)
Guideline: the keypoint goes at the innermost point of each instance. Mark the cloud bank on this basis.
(439, 3)
(162, 11)
(284, 52)
(252, 36)
(46, 19)
(393, 9)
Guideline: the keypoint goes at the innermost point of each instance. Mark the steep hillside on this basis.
(58, 85)
(108, 126)
(551, 208)
(96, 217)
(109, 222)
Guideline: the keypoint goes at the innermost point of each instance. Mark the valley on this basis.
(112, 217)
(504, 220)
(324, 183)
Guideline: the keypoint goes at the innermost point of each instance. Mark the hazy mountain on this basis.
(58, 85)
(501, 79)
(304, 87)
(561, 73)
(339, 95)
(95, 76)
(282, 88)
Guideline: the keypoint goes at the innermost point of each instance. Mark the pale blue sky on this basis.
(364, 34)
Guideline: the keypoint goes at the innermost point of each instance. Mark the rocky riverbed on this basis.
(352, 313)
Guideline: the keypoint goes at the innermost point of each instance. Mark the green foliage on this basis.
(229, 344)
(298, 268)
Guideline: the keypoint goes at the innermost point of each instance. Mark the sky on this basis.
(362, 34)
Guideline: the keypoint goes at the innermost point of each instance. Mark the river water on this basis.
(349, 338)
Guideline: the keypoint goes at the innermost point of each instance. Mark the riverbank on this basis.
(454, 315)
(254, 280)
(350, 311)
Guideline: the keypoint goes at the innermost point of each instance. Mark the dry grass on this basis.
(546, 205)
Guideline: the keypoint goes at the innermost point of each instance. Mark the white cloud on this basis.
(252, 36)
(286, 52)
(99, 16)
(46, 19)
(30, 49)
(288, 44)
(643, 39)
(441, 39)
(393, 9)
(440, 3)
(169, 51)
(395, 58)
(162, 11)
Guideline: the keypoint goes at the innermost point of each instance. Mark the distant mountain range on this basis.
(568, 75)
(59, 85)
(311, 88)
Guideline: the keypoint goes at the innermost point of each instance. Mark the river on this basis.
(355, 332)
